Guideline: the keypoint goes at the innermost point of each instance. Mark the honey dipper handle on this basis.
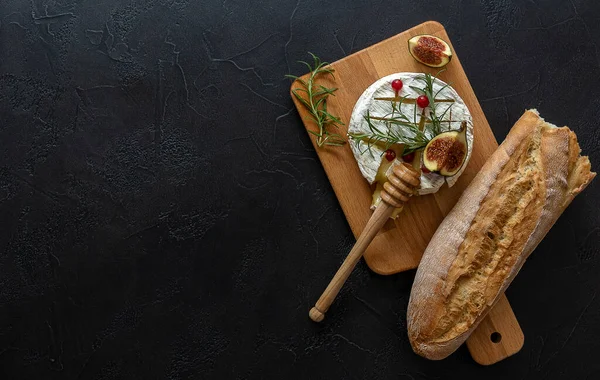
(377, 220)
(401, 184)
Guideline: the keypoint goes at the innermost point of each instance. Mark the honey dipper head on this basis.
(402, 184)
(407, 174)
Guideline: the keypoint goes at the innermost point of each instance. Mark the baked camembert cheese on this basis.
(385, 109)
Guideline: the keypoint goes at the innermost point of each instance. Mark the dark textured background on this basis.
(163, 213)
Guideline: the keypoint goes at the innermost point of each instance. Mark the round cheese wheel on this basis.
(369, 160)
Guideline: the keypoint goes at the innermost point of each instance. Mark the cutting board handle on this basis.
(498, 336)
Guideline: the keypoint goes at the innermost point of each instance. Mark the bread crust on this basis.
(499, 220)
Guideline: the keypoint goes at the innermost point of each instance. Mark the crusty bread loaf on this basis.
(499, 220)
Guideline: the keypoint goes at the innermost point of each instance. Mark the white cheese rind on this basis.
(368, 163)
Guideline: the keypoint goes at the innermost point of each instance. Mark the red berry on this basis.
(397, 85)
(409, 157)
(422, 101)
(390, 155)
(425, 170)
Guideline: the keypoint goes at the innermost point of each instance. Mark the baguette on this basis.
(499, 220)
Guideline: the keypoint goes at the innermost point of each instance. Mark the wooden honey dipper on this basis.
(401, 185)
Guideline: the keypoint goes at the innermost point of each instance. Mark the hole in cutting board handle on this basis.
(496, 337)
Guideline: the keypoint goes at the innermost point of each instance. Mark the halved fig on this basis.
(446, 153)
(430, 50)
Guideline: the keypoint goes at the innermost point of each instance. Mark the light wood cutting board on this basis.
(401, 243)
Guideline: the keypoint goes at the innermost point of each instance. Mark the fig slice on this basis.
(446, 153)
(430, 50)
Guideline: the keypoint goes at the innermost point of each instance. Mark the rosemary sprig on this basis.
(411, 136)
(315, 101)
(429, 80)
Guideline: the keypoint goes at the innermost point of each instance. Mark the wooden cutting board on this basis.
(401, 243)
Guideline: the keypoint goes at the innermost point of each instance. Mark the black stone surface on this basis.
(164, 216)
